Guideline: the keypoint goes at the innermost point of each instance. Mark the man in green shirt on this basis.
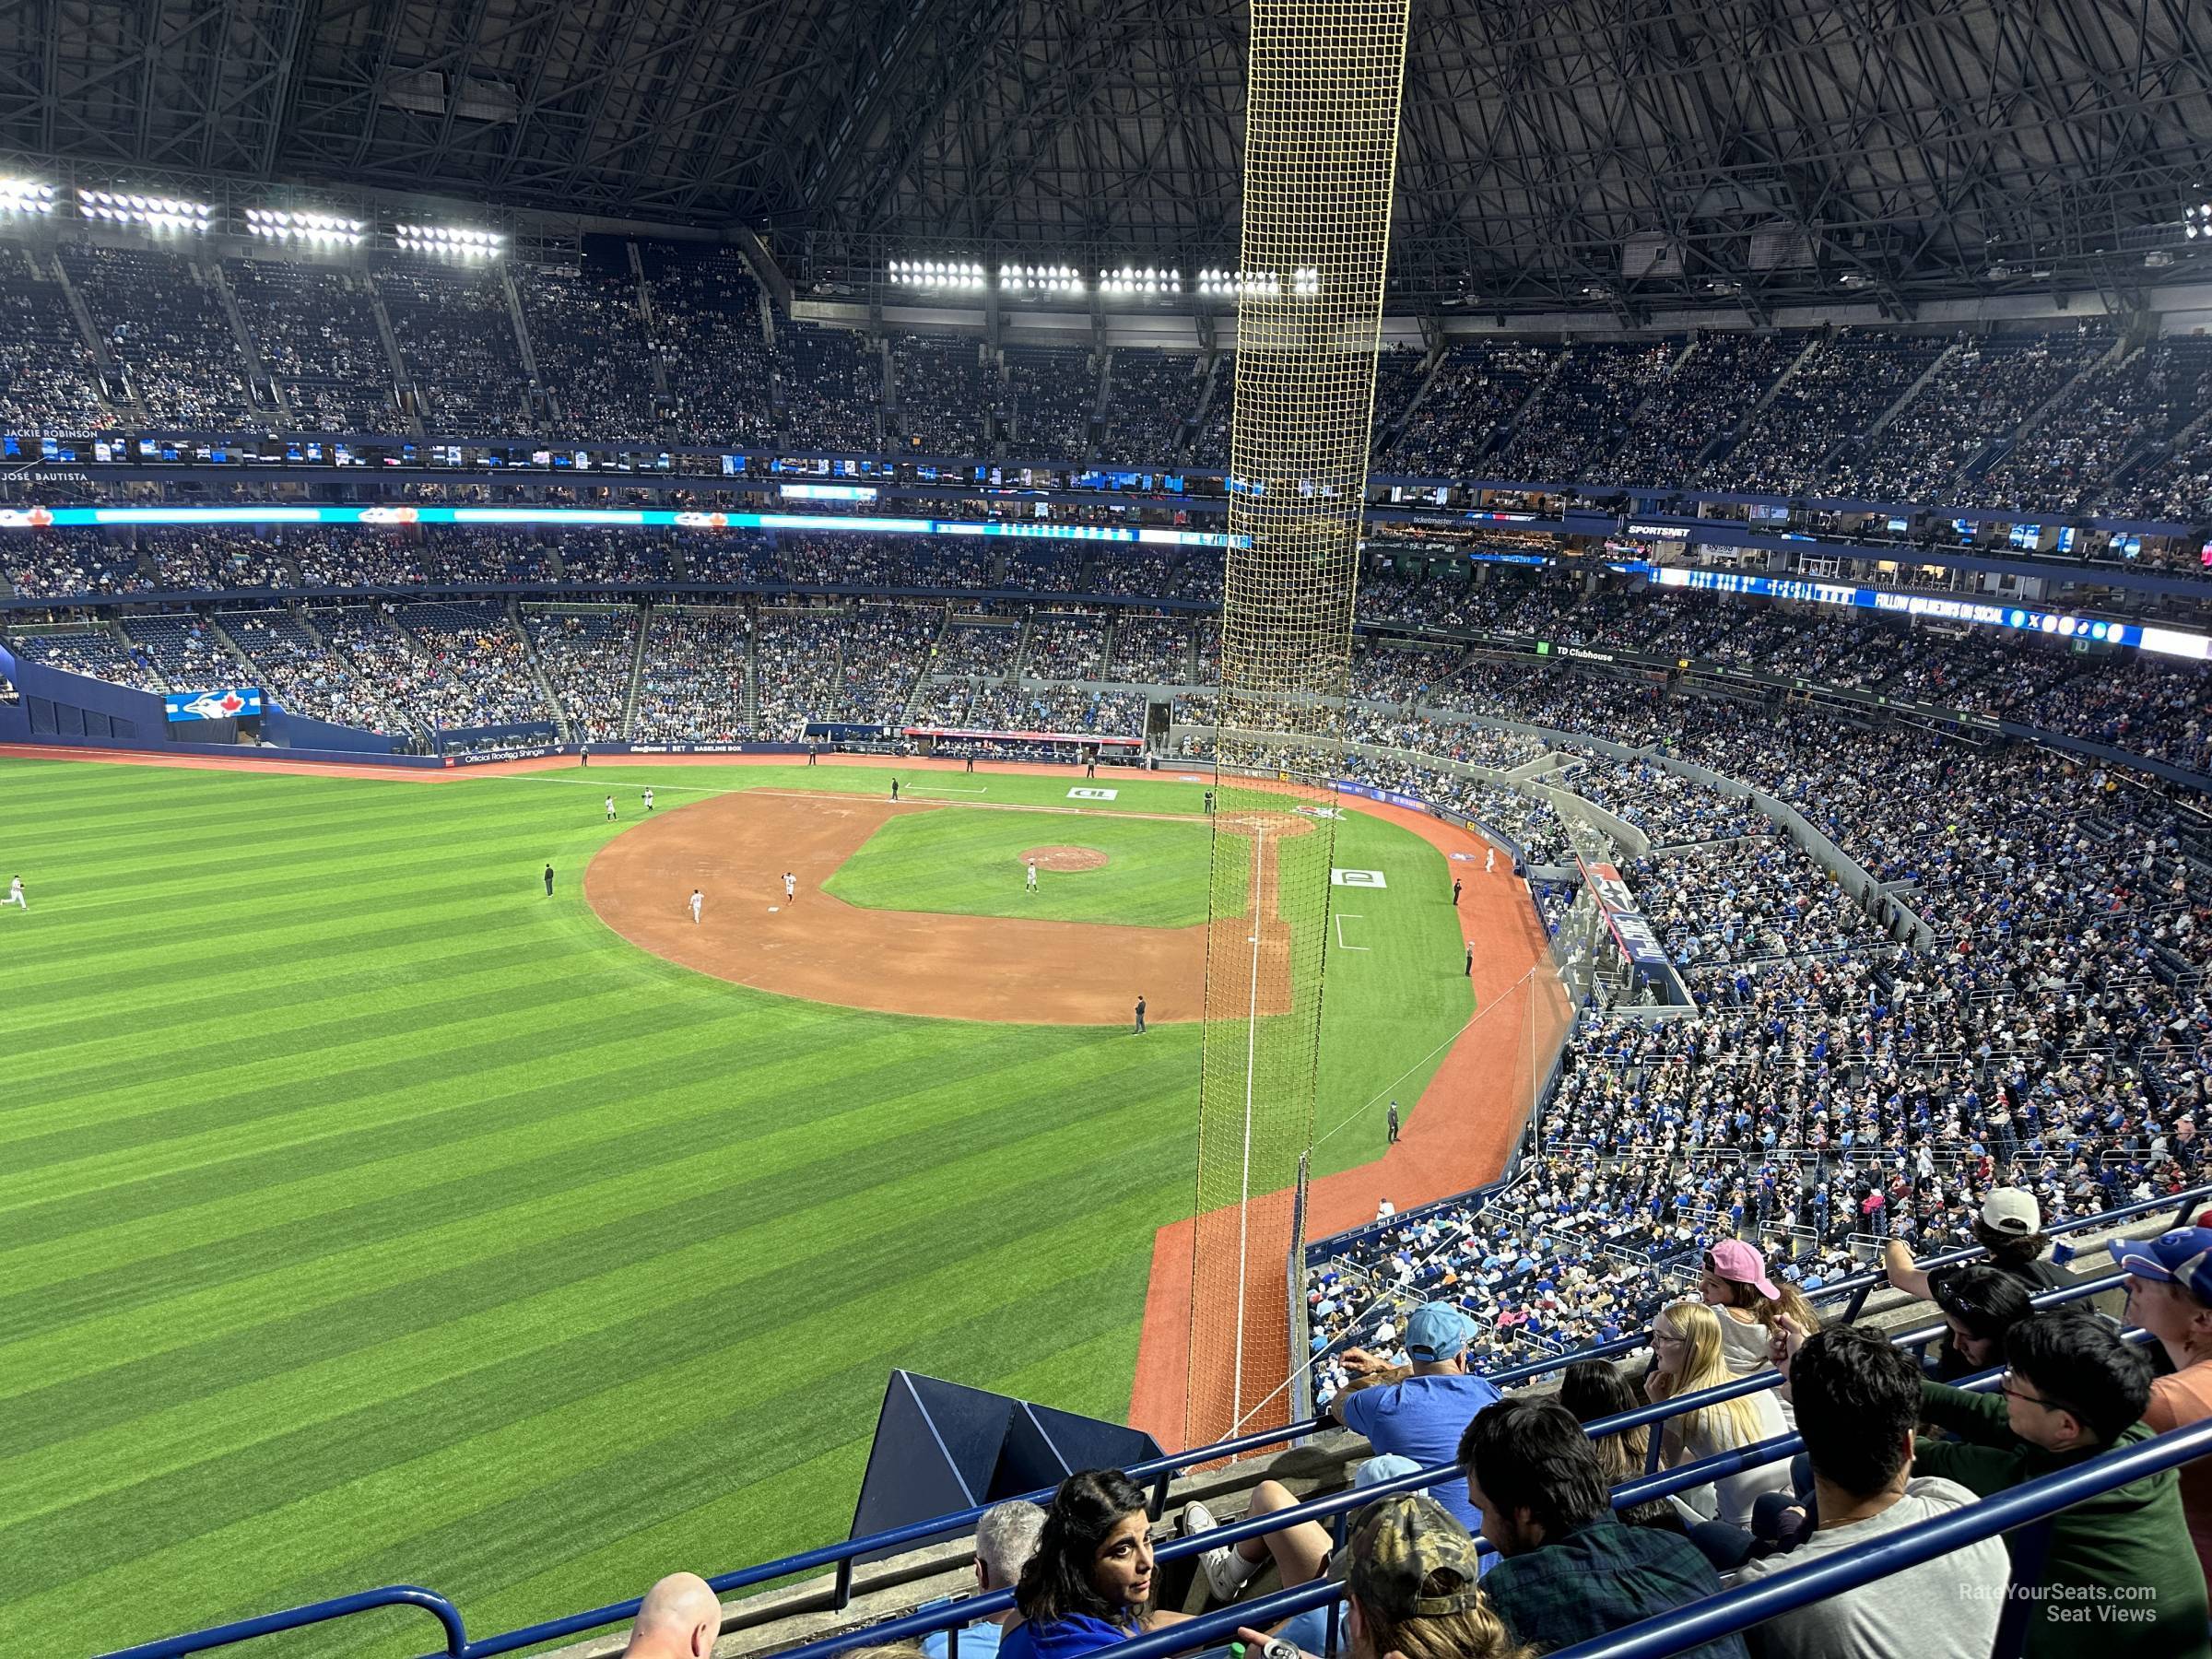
(2122, 1580)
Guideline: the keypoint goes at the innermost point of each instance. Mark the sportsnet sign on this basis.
(238, 704)
(1638, 942)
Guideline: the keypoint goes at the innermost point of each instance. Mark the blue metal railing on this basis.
(1160, 1473)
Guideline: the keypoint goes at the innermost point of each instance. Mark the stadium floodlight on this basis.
(453, 242)
(2197, 221)
(154, 212)
(319, 230)
(964, 275)
(24, 195)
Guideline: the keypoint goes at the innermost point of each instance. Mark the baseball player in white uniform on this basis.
(649, 800)
(1031, 873)
(791, 887)
(698, 902)
(610, 809)
(1491, 862)
(14, 892)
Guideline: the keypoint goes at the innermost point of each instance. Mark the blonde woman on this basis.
(1687, 1357)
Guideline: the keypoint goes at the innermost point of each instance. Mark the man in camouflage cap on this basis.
(1403, 1542)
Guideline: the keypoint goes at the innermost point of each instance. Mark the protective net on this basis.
(1319, 161)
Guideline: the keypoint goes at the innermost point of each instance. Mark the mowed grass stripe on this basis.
(333, 1526)
(90, 1345)
(483, 1146)
(508, 1330)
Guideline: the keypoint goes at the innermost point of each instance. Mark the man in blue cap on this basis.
(2170, 1295)
(1420, 1410)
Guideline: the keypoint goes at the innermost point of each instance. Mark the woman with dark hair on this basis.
(1980, 1302)
(1593, 1389)
(1088, 1584)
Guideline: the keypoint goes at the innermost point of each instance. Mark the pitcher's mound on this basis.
(1066, 858)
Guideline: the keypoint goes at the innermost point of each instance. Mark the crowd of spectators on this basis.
(316, 333)
(595, 367)
(1670, 810)
(461, 666)
(48, 381)
(1067, 647)
(829, 388)
(1837, 394)
(692, 677)
(1151, 398)
(586, 655)
(1050, 394)
(302, 673)
(707, 328)
(164, 325)
(2153, 392)
(1978, 396)
(90, 650)
(795, 669)
(885, 650)
(1700, 399)
(945, 395)
(1155, 650)
(1579, 414)
(456, 338)
(1476, 388)
(1210, 442)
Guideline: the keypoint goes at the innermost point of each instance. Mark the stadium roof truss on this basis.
(1622, 152)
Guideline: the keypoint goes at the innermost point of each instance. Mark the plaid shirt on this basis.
(1601, 1578)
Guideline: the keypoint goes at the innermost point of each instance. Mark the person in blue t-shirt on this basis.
(1420, 1410)
(1089, 1585)
(1005, 1540)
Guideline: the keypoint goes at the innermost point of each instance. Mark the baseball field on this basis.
(369, 1216)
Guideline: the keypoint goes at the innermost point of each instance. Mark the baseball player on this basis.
(14, 892)
(649, 800)
(699, 902)
(1456, 892)
(548, 881)
(1140, 1013)
(1032, 875)
(791, 887)
(1491, 862)
(894, 790)
(1393, 1122)
(610, 809)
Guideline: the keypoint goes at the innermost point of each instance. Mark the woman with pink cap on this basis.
(1735, 1286)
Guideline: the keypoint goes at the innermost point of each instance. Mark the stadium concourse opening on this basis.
(735, 849)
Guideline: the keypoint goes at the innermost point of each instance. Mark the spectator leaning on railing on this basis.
(1421, 1410)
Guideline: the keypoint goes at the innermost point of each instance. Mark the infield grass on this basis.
(367, 1216)
(966, 860)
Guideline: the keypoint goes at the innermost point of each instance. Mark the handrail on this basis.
(293, 1619)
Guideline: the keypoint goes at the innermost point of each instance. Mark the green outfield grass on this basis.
(967, 860)
(367, 1216)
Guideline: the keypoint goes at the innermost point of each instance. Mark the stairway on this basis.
(538, 673)
(637, 669)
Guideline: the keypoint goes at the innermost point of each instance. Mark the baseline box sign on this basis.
(241, 702)
(698, 749)
(1635, 936)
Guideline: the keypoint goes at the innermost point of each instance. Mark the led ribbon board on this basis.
(1975, 613)
(597, 518)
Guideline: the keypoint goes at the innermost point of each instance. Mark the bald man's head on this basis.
(680, 1619)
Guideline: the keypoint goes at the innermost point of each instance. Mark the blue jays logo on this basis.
(216, 705)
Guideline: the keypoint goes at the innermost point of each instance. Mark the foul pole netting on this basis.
(1320, 163)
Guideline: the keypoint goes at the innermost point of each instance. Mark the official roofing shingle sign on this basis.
(240, 702)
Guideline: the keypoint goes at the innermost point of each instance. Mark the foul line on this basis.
(1355, 916)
